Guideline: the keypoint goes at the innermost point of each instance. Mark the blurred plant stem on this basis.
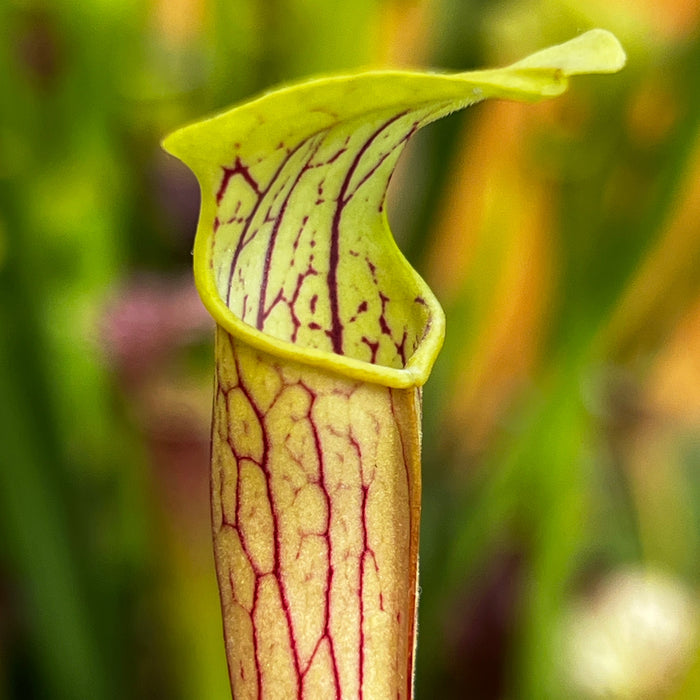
(34, 522)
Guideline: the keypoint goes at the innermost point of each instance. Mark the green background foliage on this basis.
(562, 421)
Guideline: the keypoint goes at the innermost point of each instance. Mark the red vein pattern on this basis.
(315, 506)
(299, 242)
(315, 477)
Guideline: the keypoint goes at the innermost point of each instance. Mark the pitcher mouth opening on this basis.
(295, 255)
(293, 251)
(411, 364)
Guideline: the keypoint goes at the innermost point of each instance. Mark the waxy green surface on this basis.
(324, 335)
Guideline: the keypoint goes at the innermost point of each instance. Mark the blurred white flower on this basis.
(631, 638)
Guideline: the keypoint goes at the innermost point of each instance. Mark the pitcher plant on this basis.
(324, 337)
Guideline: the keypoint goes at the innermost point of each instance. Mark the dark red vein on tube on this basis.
(238, 169)
(274, 509)
(329, 581)
(336, 330)
(242, 242)
(260, 320)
